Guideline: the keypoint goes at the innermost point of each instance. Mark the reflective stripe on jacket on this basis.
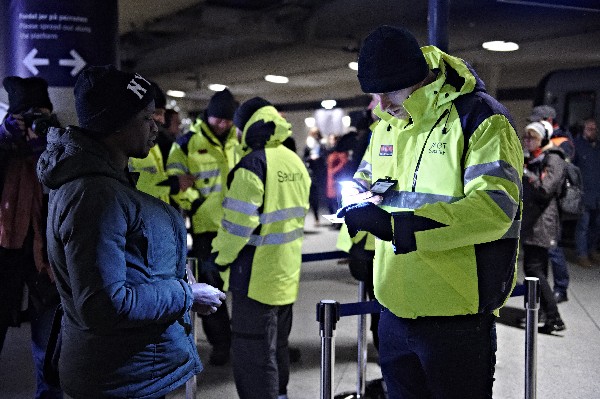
(200, 153)
(260, 238)
(456, 206)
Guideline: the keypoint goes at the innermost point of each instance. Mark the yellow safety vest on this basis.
(152, 173)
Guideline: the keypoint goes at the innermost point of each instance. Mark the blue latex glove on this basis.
(366, 216)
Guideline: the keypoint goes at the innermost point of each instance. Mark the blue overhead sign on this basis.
(57, 39)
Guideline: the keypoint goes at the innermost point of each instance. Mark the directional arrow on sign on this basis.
(31, 62)
(76, 62)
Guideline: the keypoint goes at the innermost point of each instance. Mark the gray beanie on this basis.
(542, 112)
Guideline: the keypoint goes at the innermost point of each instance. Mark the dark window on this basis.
(579, 105)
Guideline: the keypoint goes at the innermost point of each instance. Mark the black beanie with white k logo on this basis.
(107, 98)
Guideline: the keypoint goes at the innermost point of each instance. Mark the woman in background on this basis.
(542, 183)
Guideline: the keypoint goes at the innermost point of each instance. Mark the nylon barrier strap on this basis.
(352, 309)
(313, 257)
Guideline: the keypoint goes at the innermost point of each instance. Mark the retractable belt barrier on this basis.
(313, 257)
(330, 311)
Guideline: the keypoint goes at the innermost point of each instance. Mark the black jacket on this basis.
(542, 183)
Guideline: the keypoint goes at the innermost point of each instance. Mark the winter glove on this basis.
(206, 298)
(12, 128)
(366, 216)
(209, 271)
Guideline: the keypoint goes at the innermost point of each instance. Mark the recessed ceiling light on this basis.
(353, 65)
(500, 45)
(310, 121)
(176, 93)
(346, 120)
(328, 104)
(276, 79)
(217, 87)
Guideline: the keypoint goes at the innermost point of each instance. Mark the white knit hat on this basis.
(537, 128)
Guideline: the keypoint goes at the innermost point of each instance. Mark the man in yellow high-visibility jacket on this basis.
(153, 178)
(448, 227)
(208, 152)
(259, 248)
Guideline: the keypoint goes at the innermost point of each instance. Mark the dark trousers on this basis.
(535, 264)
(17, 270)
(332, 205)
(314, 198)
(41, 323)
(216, 326)
(261, 362)
(560, 273)
(438, 357)
(587, 232)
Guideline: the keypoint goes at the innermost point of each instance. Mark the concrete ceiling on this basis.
(186, 44)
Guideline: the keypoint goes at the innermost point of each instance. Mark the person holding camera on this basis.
(23, 209)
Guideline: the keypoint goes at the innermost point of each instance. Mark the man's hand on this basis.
(206, 298)
(367, 216)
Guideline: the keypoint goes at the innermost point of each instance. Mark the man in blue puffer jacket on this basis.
(118, 254)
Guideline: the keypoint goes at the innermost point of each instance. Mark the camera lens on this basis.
(41, 125)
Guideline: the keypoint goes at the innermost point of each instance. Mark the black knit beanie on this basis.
(106, 98)
(160, 101)
(26, 93)
(247, 109)
(390, 59)
(222, 105)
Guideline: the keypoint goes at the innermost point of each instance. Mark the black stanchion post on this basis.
(532, 304)
(361, 370)
(190, 385)
(327, 316)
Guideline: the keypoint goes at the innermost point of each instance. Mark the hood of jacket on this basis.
(265, 128)
(456, 75)
(70, 154)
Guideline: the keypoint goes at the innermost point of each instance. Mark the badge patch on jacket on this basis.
(386, 150)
